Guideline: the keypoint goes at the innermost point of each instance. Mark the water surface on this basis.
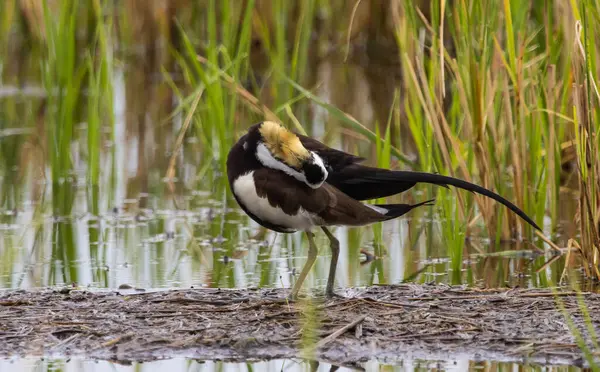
(298, 365)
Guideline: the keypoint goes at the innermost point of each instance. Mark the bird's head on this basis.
(278, 148)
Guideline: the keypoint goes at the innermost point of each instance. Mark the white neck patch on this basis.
(268, 160)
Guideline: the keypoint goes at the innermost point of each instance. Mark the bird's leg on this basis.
(335, 253)
(312, 256)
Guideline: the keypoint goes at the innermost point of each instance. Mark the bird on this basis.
(289, 182)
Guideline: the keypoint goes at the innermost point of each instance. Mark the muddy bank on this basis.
(385, 322)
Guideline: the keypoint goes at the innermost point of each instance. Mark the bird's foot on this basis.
(292, 297)
(332, 295)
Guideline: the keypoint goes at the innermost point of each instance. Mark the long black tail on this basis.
(368, 183)
(439, 179)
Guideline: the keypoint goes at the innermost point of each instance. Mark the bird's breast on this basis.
(245, 189)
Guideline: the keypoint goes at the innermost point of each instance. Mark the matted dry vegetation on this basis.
(385, 322)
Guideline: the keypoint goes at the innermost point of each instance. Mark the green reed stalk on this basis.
(586, 113)
(62, 78)
(99, 116)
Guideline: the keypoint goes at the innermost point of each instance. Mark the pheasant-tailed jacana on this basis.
(289, 182)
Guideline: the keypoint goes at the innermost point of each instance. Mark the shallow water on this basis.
(154, 249)
(298, 365)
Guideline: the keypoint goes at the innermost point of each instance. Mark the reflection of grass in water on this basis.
(63, 76)
(68, 78)
(9, 255)
(15, 144)
(99, 118)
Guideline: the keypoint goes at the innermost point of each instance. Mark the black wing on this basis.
(361, 182)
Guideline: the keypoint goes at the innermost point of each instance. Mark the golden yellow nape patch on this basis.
(283, 144)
